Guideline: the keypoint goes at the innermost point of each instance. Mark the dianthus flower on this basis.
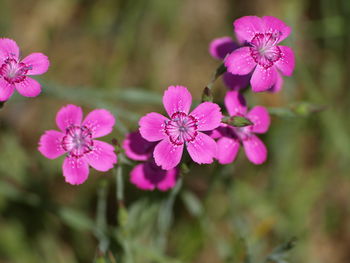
(261, 54)
(76, 138)
(147, 175)
(230, 138)
(181, 129)
(14, 72)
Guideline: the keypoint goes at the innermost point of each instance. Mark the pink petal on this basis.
(278, 85)
(220, 47)
(286, 63)
(38, 62)
(137, 148)
(167, 155)
(240, 61)
(236, 82)
(273, 24)
(100, 122)
(208, 115)
(148, 176)
(235, 103)
(224, 130)
(263, 79)
(227, 150)
(215, 134)
(169, 180)
(177, 99)
(75, 170)
(69, 115)
(203, 149)
(255, 149)
(138, 178)
(261, 119)
(152, 126)
(50, 144)
(246, 27)
(6, 90)
(8, 48)
(102, 157)
(28, 87)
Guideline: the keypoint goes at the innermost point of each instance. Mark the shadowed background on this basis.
(122, 55)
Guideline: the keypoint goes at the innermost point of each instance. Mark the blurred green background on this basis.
(122, 55)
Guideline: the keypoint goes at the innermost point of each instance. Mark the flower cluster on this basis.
(205, 133)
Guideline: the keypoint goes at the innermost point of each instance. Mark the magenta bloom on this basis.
(262, 55)
(147, 175)
(14, 72)
(181, 129)
(219, 48)
(229, 137)
(77, 138)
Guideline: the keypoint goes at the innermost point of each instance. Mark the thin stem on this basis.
(119, 186)
(207, 94)
(101, 221)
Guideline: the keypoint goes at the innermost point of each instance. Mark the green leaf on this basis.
(306, 108)
(76, 219)
(192, 203)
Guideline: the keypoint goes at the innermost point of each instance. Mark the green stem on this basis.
(101, 221)
(207, 94)
(119, 186)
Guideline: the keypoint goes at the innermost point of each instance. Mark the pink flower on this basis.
(182, 129)
(219, 48)
(77, 139)
(262, 55)
(14, 72)
(147, 175)
(229, 137)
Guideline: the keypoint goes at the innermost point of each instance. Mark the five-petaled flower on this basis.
(14, 72)
(147, 175)
(181, 129)
(77, 138)
(261, 53)
(229, 137)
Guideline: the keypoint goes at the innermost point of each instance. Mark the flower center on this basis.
(243, 133)
(77, 141)
(263, 49)
(13, 71)
(181, 128)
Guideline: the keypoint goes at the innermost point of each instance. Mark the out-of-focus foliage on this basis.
(121, 55)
